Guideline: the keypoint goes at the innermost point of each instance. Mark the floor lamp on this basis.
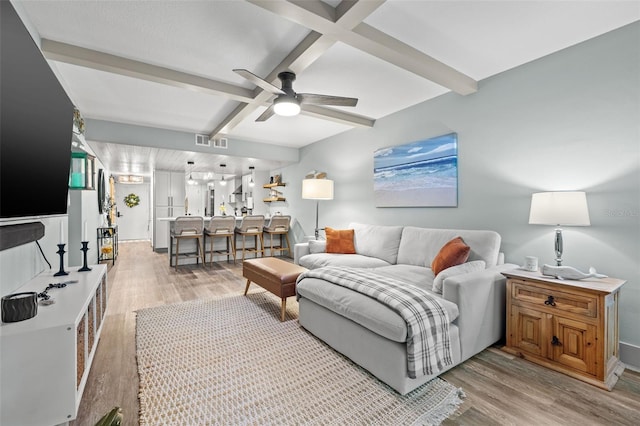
(317, 189)
(559, 208)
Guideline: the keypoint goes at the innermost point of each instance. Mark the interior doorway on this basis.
(133, 222)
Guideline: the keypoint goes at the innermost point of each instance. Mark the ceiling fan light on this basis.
(286, 107)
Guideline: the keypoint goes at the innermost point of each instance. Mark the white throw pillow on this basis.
(465, 268)
(317, 246)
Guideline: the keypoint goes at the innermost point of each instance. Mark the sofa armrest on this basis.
(481, 300)
(299, 250)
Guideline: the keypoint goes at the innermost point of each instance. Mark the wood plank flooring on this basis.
(500, 389)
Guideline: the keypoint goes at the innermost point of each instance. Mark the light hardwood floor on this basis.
(500, 389)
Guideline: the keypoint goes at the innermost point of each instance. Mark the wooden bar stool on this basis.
(188, 228)
(251, 226)
(221, 227)
(279, 226)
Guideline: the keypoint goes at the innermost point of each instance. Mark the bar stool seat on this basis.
(251, 226)
(221, 227)
(279, 226)
(188, 228)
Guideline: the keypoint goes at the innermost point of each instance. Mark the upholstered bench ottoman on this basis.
(273, 274)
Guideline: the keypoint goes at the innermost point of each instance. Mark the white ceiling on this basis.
(386, 53)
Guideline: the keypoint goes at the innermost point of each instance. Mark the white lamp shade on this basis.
(559, 208)
(317, 189)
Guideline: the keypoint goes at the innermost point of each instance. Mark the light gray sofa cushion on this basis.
(377, 241)
(416, 275)
(419, 246)
(362, 309)
(319, 260)
(317, 246)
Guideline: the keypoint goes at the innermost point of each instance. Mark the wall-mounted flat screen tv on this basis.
(35, 129)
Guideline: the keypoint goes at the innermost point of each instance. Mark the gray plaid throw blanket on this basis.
(428, 345)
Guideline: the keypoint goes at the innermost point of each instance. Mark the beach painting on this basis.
(418, 174)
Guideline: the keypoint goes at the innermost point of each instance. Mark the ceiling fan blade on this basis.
(259, 82)
(314, 99)
(266, 114)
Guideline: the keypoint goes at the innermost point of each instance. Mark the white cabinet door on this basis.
(178, 191)
(162, 188)
(161, 228)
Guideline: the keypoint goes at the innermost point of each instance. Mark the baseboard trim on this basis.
(630, 355)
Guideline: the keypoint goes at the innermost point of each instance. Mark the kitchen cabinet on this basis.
(169, 194)
(570, 326)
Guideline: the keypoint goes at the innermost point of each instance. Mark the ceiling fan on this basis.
(288, 102)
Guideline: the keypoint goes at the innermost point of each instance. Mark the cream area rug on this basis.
(231, 361)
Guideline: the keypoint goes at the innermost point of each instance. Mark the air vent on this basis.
(202, 140)
(220, 143)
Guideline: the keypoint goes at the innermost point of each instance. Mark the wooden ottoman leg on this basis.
(283, 309)
(246, 289)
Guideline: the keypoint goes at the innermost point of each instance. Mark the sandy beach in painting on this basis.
(419, 197)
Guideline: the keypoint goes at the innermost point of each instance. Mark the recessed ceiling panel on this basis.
(381, 88)
(112, 97)
(198, 37)
(484, 38)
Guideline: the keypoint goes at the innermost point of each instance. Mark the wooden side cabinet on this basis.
(570, 326)
(46, 359)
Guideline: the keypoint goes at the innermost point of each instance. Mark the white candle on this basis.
(61, 232)
(84, 231)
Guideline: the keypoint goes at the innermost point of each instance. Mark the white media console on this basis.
(45, 360)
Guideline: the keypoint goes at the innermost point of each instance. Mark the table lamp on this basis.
(317, 189)
(567, 208)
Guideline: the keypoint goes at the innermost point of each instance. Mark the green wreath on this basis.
(131, 200)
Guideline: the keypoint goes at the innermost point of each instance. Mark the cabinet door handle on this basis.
(550, 301)
(555, 341)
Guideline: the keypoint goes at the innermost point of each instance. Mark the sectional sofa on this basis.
(375, 336)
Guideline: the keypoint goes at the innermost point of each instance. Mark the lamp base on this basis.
(558, 246)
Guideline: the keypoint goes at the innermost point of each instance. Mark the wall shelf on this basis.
(274, 199)
(273, 185)
(274, 195)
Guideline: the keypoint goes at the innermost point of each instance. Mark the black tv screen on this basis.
(36, 126)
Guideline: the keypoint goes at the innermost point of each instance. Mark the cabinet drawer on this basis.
(577, 303)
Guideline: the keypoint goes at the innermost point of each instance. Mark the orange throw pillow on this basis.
(455, 252)
(340, 241)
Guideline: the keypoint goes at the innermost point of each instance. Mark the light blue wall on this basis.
(569, 121)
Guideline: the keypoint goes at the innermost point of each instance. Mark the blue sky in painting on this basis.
(441, 146)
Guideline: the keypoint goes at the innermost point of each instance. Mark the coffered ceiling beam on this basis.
(349, 14)
(75, 55)
(314, 15)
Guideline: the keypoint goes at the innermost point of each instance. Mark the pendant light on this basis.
(251, 182)
(191, 181)
(223, 182)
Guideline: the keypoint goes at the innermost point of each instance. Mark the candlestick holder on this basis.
(61, 253)
(84, 250)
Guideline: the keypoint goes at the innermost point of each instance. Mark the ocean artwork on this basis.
(418, 174)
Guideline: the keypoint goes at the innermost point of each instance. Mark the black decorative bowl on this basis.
(19, 306)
